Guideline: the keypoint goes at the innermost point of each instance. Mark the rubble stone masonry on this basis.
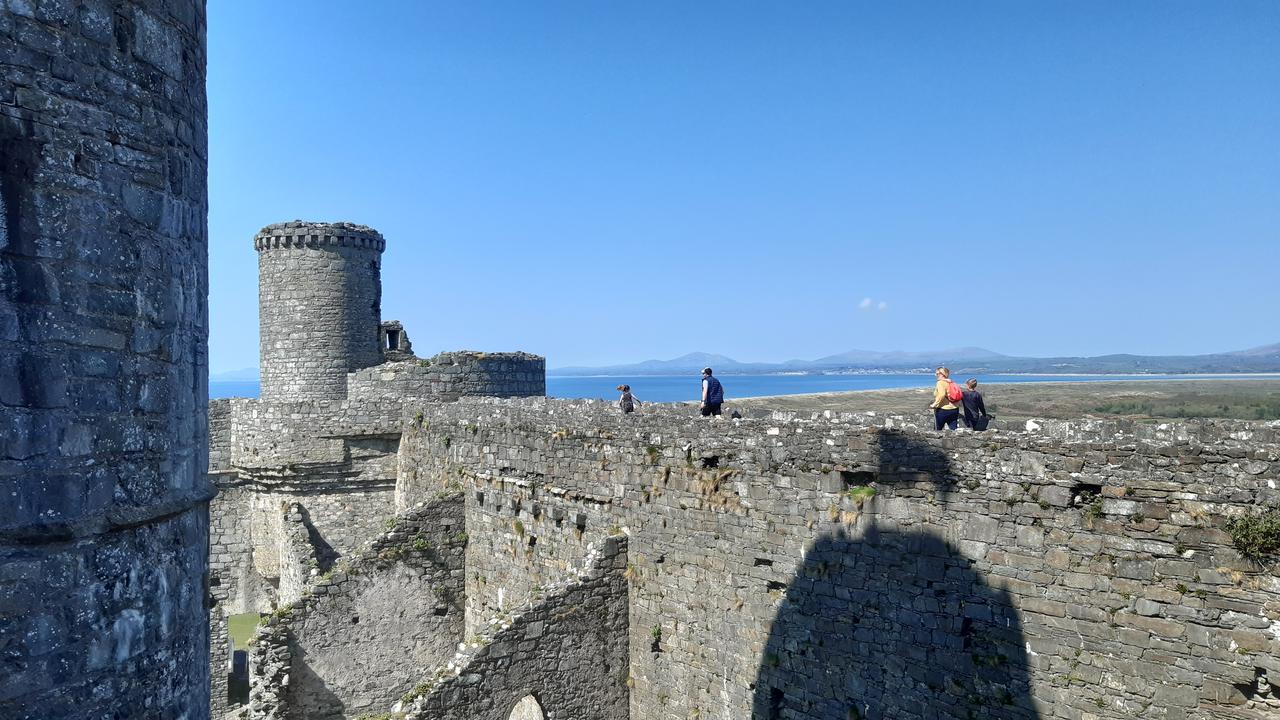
(368, 628)
(835, 567)
(103, 287)
(307, 473)
(320, 307)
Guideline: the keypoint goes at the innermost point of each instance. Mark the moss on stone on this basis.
(860, 493)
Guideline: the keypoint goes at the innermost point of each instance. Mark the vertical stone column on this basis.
(103, 377)
(320, 307)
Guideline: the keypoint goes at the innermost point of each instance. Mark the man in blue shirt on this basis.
(712, 394)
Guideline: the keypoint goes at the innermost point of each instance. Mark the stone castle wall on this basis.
(325, 433)
(298, 554)
(565, 649)
(235, 586)
(332, 459)
(271, 436)
(451, 375)
(337, 457)
(260, 555)
(103, 262)
(370, 627)
(835, 567)
(320, 307)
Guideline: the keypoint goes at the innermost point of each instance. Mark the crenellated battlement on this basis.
(300, 234)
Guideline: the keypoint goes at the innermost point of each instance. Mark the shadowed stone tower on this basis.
(103, 370)
(320, 307)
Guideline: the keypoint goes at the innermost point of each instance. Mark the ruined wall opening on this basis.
(240, 629)
(1084, 494)
(394, 341)
(238, 678)
(527, 709)
(851, 479)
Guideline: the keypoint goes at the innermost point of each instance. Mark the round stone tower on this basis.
(320, 307)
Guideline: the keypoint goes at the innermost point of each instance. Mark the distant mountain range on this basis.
(962, 360)
(241, 375)
(1264, 359)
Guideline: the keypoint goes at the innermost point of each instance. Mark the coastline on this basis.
(928, 373)
(674, 388)
(1141, 376)
(1100, 384)
(1236, 396)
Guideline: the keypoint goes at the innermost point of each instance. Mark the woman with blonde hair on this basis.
(946, 398)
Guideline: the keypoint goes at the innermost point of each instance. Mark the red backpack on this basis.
(954, 393)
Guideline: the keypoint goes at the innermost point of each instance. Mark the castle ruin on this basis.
(306, 473)
(426, 545)
(431, 538)
(658, 566)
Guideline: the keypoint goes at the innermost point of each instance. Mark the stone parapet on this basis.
(859, 566)
(449, 376)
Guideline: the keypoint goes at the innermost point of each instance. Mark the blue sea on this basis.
(675, 388)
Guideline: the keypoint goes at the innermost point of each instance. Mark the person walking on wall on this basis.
(712, 394)
(627, 402)
(946, 400)
(975, 411)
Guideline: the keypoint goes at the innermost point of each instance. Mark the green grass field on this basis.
(1224, 406)
(1243, 398)
(241, 628)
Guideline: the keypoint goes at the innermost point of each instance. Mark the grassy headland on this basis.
(1238, 398)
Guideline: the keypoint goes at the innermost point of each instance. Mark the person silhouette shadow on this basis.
(884, 622)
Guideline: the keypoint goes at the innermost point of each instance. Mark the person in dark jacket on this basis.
(712, 394)
(975, 411)
(627, 402)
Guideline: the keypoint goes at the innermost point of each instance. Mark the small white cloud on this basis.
(882, 306)
(865, 304)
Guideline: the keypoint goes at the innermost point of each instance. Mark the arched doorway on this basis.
(527, 709)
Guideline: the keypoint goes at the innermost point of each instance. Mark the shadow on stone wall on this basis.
(892, 625)
(904, 460)
(326, 556)
(312, 698)
(888, 623)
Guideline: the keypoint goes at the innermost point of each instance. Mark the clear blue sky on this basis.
(605, 182)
